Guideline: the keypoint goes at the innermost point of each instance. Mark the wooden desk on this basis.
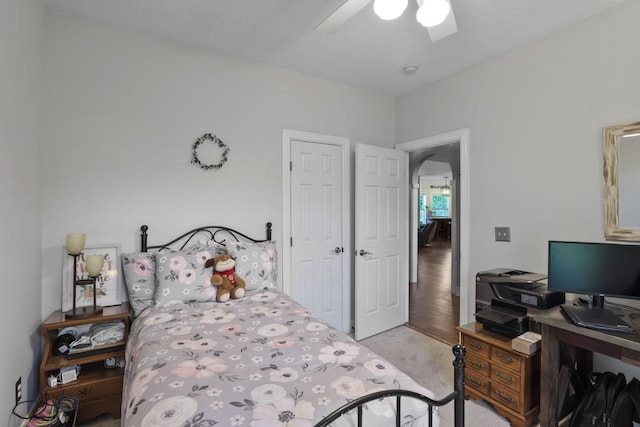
(558, 334)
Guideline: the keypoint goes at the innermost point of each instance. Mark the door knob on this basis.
(338, 250)
(363, 252)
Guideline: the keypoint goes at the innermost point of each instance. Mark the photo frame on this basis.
(109, 283)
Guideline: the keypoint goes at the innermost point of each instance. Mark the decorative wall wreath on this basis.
(208, 137)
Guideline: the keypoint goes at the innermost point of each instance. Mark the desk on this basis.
(580, 343)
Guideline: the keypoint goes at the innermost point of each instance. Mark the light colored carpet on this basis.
(428, 361)
(102, 421)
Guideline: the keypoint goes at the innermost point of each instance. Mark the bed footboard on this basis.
(457, 396)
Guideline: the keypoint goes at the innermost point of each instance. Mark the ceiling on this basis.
(365, 51)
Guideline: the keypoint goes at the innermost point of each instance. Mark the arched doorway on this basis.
(434, 303)
(454, 146)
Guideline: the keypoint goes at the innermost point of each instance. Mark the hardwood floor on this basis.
(433, 310)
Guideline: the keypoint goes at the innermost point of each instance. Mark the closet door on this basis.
(316, 229)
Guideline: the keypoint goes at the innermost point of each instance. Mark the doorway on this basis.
(382, 183)
(434, 307)
(459, 231)
(419, 151)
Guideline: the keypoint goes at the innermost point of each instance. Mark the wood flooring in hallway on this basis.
(433, 310)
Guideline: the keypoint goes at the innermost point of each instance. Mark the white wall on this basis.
(21, 52)
(535, 117)
(122, 111)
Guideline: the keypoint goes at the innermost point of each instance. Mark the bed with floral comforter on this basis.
(259, 361)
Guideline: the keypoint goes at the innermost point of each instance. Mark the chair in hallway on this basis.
(426, 233)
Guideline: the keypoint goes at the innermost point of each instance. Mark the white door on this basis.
(316, 229)
(381, 297)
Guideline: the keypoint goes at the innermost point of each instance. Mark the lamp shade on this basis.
(93, 264)
(75, 243)
(389, 9)
(433, 12)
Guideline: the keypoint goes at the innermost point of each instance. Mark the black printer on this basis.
(505, 319)
(519, 287)
(503, 296)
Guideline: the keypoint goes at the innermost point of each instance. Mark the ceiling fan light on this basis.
(389, 9)
(433, 12)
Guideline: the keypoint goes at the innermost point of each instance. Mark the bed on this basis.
(261, 360)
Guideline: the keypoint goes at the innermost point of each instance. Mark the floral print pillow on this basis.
(183, 278)
(210, 246)
(139, 271)
(256, 263)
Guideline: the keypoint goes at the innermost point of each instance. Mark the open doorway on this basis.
(451, 258)
(434, 305)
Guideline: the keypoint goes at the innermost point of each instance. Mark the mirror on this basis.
(621, 149)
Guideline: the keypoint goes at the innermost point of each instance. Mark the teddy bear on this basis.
(229, 285)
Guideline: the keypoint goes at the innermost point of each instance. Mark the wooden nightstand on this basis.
(507, 379)
(98, 388)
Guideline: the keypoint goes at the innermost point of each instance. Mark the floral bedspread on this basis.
(260, 361)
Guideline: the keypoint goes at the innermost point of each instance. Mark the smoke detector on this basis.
(410, 69)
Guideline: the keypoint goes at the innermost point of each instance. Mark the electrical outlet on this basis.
(18, 390)
(503, 234)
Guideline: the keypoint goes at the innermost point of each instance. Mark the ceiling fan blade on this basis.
(445, 29)
(341, 15)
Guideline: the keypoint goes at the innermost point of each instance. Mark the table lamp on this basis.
(93, 265)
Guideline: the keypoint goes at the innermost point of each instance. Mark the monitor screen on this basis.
(597, 269)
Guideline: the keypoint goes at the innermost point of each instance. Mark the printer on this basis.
(504, 295)
(518, 287)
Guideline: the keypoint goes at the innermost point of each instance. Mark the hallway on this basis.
(433, 310)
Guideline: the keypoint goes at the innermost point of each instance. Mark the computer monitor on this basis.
(596, 269)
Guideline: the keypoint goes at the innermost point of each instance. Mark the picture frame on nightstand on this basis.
(109, 283)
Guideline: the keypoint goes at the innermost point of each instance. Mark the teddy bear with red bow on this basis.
(229, 285)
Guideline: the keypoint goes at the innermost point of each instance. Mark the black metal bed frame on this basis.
(457, 395)
(212, 230)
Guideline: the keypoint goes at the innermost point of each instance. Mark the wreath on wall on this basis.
(195, 160)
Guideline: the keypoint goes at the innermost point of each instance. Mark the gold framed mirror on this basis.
(621, 149)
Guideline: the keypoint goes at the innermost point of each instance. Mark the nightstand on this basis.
(98, 388)
(501, 376)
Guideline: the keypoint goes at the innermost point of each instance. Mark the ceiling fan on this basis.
(435, 15)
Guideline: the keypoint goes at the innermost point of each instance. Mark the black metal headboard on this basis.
(212, 230)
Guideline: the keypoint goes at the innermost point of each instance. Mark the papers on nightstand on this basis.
(527, 343)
